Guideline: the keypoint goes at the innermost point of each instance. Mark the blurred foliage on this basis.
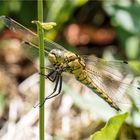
(20, 10)
(9, 7)
(60, 12)
(125, 18)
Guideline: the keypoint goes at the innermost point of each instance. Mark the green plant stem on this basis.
(42, 78)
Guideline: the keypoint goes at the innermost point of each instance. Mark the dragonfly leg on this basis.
(51, 73)
(57, 77)
(59, 91)
(48, 75)
(58, 81)
(46, 67)
(56, 85)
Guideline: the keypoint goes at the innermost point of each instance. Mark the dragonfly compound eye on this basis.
(56, 56)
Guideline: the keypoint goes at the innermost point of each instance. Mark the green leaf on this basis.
(125, 16)
(109, 132)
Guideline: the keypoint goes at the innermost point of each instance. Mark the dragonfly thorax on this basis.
(66, 60)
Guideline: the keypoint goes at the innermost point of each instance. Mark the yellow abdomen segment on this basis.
(86, 80)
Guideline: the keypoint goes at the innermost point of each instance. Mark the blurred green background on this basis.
(109, 29)
(121, 17)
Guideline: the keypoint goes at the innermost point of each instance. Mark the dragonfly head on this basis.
(56, 56)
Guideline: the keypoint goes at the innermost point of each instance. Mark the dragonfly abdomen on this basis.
(86, 80)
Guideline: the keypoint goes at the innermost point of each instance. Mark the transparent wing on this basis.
(27, 35)
(113, 77)
(116, 69)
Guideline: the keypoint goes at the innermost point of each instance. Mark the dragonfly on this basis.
(108, 79)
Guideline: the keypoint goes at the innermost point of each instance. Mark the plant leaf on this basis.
(109, 132)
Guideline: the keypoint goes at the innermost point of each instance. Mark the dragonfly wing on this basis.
(27, 35)
(112, 78)
(22, 32)
(117, 69)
